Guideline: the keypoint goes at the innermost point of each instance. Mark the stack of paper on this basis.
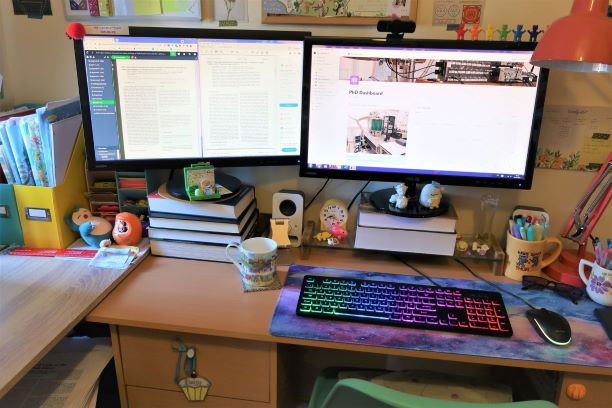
(35, 148)
(66, 377)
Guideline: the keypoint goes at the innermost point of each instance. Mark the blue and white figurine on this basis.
(431, 195)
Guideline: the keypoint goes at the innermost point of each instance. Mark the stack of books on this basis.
(200, 229)
(379, 230)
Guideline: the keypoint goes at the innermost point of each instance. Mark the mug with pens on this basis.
(528, 247)
(599, 282)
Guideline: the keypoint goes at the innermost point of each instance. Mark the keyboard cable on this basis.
(416, 270)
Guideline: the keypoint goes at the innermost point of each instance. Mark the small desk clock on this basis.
(333, 212)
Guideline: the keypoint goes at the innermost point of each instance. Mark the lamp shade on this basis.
(579, 42)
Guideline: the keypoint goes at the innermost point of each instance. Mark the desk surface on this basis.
(41, 300)
(206, 298)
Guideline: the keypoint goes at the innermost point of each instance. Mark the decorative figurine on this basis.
(399, 198)
(127, 230)
(518, 33)
(534, 32)
(93, 230)
(338, 232)
(461, 31)
(431, 195)
(332, 212)
(489, 32)
(475, 31)
(503, 33)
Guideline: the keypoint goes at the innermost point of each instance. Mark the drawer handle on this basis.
(576, 392)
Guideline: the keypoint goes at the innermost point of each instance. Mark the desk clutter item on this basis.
(590, 346)
(599, 282)
(256, 261)
(410, 306)
(529, 257)
(200, 182)
(195, 388)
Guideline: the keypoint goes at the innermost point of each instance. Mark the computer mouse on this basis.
(551, 326)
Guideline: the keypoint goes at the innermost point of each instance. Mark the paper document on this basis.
(66, 377)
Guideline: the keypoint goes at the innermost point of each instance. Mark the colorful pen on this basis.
(522, 232)
(516, 233)
(530, 233)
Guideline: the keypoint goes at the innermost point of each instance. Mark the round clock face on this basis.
(333, 212)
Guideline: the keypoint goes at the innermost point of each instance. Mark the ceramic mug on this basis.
(529, 257)
(599, 283)
(256, 260)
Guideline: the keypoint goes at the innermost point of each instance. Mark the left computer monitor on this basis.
(165, 98)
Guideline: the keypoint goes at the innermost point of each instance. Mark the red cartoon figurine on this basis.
(461, 31)
(338, 232)
(127, 230)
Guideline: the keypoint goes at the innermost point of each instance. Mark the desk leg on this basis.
(597, 391)
(114, 331)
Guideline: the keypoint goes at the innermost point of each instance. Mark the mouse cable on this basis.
(357, 195)
(494, 285)
(416, 270)
(316, 195)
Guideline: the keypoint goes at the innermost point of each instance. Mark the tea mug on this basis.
(599, 283)
(529, 257)
(256, 260)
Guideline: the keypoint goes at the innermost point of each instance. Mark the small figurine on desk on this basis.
(93, 230)
(518, 33)
(399, 198)
(431, 195)
(128, 229)
(461, 30)
(338, 231)
(503, 33)
(489, 32)
(475, 31)
(534, 32)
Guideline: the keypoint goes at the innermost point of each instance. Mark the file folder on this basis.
(10, 227)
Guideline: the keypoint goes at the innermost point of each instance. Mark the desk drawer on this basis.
(236, 368)
(139, 397)
(596, 389)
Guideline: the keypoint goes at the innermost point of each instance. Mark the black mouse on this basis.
(551, 326)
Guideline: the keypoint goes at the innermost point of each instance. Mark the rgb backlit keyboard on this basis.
(405, 305)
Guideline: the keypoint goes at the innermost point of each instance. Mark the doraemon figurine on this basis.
(399, 198)
(431, 195)
(93, 230)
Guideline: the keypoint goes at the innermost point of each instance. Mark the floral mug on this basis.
(599, 283)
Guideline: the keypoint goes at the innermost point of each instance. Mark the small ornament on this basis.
(399, 198)
(127, 230)
(195, 388)
(200, 182)
(333, 212)
(503, 32)
(431, 195)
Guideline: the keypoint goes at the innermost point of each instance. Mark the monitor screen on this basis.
(179, 96)
(457, 112)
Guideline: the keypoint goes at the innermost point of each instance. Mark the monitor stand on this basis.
(176, 185)
(380, 201)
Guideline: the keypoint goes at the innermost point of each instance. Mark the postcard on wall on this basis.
(575, 137)
(457, 11)
(335, 8)
(236, 10)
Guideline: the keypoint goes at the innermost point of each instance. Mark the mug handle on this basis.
(581, 269)
(231, 258)
(555, 254)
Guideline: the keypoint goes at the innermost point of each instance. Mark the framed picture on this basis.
(342, 12)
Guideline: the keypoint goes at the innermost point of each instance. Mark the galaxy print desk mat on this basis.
(589, 347)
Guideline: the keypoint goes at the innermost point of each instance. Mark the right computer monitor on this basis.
(457, 112)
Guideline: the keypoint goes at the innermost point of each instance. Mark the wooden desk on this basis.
(41, 300)
(202, 303)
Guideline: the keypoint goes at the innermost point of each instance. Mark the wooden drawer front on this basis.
(139, 397)
(598, 391)
(236, 368)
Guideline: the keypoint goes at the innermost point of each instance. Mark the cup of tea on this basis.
(529, 257)
(255, 258)
(599, 282)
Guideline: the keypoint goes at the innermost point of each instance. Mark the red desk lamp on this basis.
(580, 42)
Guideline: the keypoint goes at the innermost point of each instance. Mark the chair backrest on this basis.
(355, 393)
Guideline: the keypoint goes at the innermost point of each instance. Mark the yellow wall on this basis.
(37, 61)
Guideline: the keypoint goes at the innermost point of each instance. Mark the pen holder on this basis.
(529, 257)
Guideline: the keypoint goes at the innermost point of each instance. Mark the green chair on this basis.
(329, 392)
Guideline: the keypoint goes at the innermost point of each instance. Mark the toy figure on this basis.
(475, 31)
(503, 33)
(399, 198)
(93, 230)
(461, 31)
(533, 33)
(128, 229)
(338, 231)
(489, 33)
(431, 195)
(518, 33)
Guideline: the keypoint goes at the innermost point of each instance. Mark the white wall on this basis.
(38, 65)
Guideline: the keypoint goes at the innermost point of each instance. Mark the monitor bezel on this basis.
(131, 165)
(509, 183)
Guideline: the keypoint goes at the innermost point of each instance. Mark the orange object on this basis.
(127, 230)
(581, 41)
(576, 392)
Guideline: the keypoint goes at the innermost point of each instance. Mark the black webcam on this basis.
(396, 28)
